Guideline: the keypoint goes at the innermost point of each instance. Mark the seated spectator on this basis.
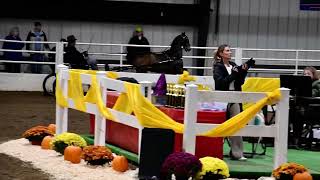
(14, 56)
(73, 56)
(312, 72)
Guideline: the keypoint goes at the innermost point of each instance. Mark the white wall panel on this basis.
(267, 24)
(272, 24)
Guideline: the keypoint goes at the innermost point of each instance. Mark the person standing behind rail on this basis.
(37, 35)
(229, 77)
(13, 56)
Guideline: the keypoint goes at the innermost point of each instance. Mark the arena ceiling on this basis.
(111, 11)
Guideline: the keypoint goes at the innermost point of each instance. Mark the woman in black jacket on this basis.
(229, 77)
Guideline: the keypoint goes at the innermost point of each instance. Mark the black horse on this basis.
(169, 61)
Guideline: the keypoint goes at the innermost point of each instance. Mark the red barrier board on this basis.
(127, 137)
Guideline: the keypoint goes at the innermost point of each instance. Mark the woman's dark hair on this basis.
(216, 55)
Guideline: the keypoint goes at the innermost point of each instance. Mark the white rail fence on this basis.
(145, 80)
(193, 96)
(100, 121)
(278, 130)
(298, 58)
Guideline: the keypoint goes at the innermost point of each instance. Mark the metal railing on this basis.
(239, 56)
(58, 53)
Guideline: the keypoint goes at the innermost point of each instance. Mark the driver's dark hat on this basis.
(71, 38)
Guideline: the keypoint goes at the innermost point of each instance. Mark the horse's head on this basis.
(181, 41)
(185, 44)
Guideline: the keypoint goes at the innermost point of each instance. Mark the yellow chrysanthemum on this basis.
(214, 166)
(70, 139)
(61, 141)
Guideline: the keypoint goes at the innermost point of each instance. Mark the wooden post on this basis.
(100, 121)
(62, 112)
(281, 137)
(190, 119)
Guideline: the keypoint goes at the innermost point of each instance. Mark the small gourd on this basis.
(45, 144)
(302, 176)
(120, 163)
(52, 128)
(73, 154)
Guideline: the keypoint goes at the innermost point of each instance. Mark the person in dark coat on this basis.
(13, 56)
(37, 35)
(229, 77)
(138, 39)
(73, 56)
(312, 72)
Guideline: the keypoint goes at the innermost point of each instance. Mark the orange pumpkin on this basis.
(45, 144)
(302, 176)
(52, 128)
(73, 154)
(120, 163)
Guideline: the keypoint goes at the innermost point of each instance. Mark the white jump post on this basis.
(281, 138)
(59, 54)
(100, 120)
(62, 112)
(190, 119)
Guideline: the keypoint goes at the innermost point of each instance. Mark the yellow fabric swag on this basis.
(147, 114)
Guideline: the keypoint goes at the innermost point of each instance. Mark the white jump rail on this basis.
(238, 57)
(100, 122)
(58, 53)
(278, 131)
(153, 78)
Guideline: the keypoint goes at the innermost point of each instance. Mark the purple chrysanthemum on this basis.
(182, 165)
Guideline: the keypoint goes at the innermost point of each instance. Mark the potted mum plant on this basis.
(36, 134)
(97, 155)
(61, 141)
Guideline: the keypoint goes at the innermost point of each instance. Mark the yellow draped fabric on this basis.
(258, 84)
(122, 104)
(237, 122)
(185, 77)
(60, 99)
(147, 114)
(75, 91)
(96, 97)
(112, 75)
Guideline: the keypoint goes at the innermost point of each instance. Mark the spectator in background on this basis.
(312, 72)
(14, 56)
(138, 39)
(37, 35)
(73, 56)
